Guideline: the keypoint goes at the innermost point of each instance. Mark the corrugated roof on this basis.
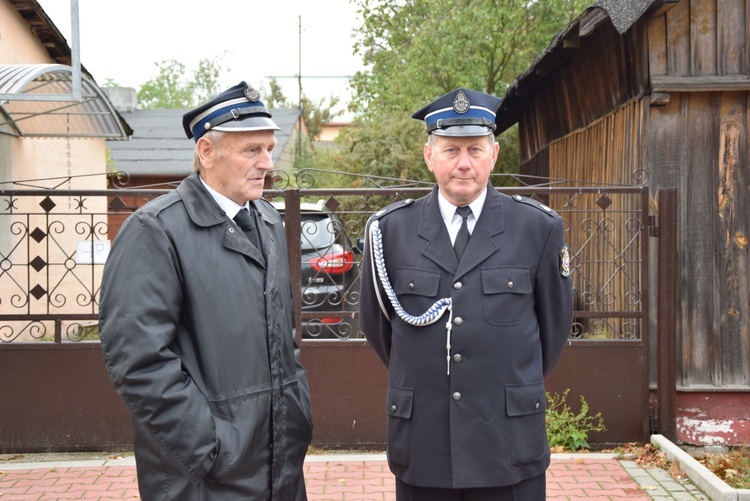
(158, 145)
(42, 116)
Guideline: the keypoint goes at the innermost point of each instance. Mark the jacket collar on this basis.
(481, 245)
(197, 200)
(204, 211)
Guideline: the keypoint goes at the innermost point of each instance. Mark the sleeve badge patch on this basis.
(565, 261)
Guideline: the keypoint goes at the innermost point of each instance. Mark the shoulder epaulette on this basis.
(390, 208)
(535, 204)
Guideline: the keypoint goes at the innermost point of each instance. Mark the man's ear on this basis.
(206, 151)
(495, 153)
(427, 152)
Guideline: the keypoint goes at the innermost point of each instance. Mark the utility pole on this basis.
(299, 62)
(298, 149)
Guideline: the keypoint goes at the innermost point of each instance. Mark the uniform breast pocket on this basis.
(507, 295)
(416, 289)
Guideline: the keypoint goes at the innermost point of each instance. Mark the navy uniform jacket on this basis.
(484, 424)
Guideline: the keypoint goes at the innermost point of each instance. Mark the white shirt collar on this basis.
(448, 210)
(230, 207)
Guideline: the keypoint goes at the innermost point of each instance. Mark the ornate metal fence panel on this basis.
(607, 230)
(53, 245)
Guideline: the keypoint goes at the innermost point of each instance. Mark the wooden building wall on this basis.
(607, 71)
(586, 127)
(667, 104)
(698, 142)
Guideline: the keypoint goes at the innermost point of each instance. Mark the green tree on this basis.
(416, 50)
(205, 83)
(174, 87)
(315, 113)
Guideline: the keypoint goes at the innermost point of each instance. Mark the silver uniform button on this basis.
(458, 320)
(231, 230)
(536, 406)
(411, 285)
(510, 285)
(393, 408)
(457, 358)
(457, 396)
(458, 285)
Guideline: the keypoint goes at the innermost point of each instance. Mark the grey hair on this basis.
(215, 137)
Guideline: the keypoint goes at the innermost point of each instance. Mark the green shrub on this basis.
(567, 429)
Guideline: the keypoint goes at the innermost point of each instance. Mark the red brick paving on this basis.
(567, 479)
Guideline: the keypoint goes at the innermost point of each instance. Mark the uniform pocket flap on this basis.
(400, 402)
(417, 282)
(525, 399)
(506, 281)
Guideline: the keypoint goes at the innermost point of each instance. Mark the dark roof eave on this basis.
(622, 13)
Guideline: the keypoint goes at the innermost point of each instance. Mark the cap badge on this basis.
(252, 94)
(461, 103)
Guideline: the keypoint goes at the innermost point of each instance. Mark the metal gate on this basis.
(53, 243)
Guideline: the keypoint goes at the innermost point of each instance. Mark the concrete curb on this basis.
(702, 477)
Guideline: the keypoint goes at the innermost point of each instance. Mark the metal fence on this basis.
(53, 245)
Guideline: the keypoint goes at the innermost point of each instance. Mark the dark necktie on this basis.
(462, 238)
(246, 222)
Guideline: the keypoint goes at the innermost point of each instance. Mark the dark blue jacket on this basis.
(484, 424)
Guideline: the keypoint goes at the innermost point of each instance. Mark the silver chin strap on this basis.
(429, 317)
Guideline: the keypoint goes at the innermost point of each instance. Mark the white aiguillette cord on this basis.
(429, 317)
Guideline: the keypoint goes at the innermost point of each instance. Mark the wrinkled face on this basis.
(461, 165)
(235, 163)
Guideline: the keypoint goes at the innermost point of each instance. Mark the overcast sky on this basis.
(123, 40)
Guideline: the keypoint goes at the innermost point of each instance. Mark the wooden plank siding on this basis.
(734, 223)
(699, 143)
(606, 259)
(671, 96)
(731, 32)
(593, 84)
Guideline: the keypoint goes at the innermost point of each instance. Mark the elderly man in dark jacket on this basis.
(469, 330)
(196, 323)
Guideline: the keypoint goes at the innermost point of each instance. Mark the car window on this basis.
(318, 232)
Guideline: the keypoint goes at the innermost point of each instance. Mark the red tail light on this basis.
(335, 263)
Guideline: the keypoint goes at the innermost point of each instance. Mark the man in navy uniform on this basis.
(468, 332)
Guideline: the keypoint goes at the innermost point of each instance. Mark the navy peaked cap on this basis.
(461, 112)
(238, 109)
